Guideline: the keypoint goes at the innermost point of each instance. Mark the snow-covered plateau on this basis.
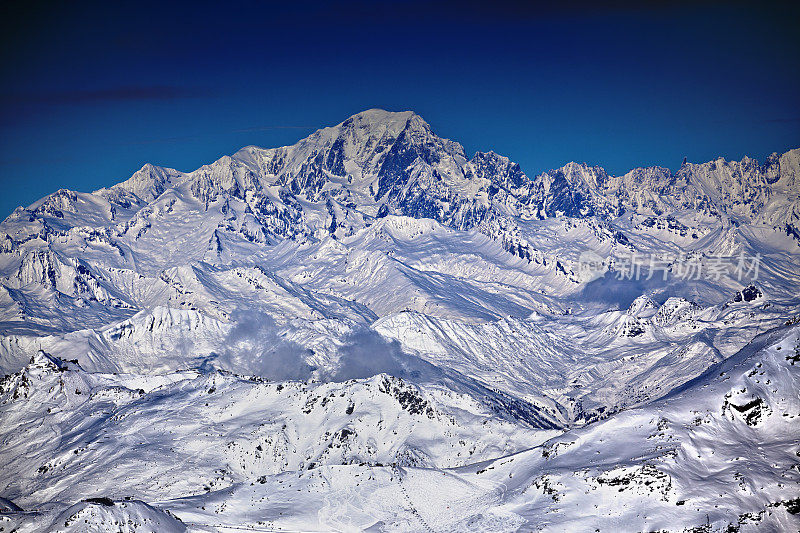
(370, 331)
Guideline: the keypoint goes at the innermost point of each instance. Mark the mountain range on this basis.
(368, 330)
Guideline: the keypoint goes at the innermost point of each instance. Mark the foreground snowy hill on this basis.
(368, 329)
(719, 454)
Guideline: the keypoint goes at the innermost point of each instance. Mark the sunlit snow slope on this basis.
(370, 329)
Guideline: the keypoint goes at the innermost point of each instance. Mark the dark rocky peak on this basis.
(498, 169)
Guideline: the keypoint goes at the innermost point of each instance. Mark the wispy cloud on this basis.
(268, 128)
(755, 120)
(499, 10)
(187, 138)
(166, 140)
(790, 119)
(18, 161)
(115, 94)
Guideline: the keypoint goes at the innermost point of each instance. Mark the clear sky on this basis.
(88, 94)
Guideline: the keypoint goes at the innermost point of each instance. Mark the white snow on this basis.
(369, 331)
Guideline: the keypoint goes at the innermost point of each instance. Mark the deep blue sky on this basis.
(88, 94)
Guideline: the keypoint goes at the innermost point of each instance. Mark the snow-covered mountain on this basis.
(368, 329)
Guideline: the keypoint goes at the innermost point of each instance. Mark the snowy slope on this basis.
(719, 453)
(369, 328)
(154, 436)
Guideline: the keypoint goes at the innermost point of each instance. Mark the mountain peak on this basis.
(377, 115)
(149, 181)
(379, 122)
